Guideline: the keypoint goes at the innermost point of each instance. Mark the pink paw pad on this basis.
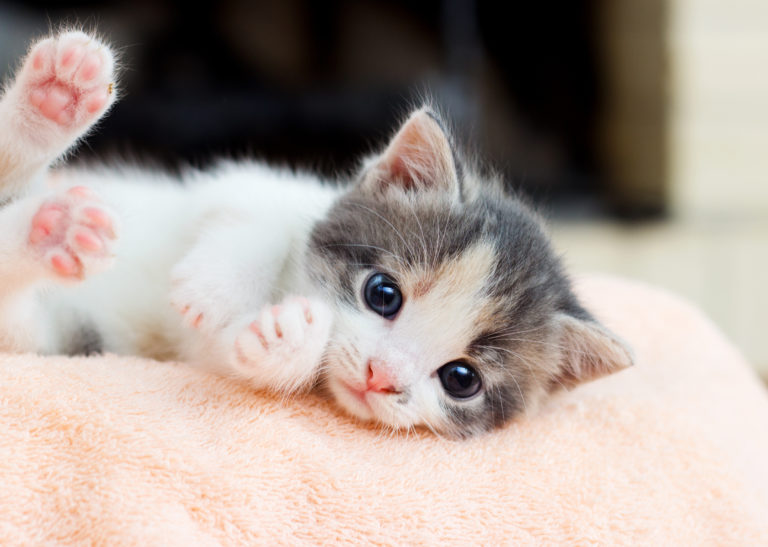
(88, 241)
(65, 265)
(44, 222)
(69, 79)
(64, 233)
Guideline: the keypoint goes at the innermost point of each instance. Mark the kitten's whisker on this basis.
(439, 241)
(513, 353)
(434, 429)
(511, 331)
(387, 252)
(501, 400)
(570, 349)
(397, 232)
(556, 378)
(526, 362)
(522, 397)
(422, 239)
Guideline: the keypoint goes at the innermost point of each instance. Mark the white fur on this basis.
(208, 269)
(218, 246)
(29, 143)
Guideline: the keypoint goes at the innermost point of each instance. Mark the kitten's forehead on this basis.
(435, 247)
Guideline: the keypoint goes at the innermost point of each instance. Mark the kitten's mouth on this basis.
(354, 399)
(358, 394)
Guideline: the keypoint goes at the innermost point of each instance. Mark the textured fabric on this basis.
(124, 451)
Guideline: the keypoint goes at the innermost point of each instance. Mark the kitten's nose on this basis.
(378, 380)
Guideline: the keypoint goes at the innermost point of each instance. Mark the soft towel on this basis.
(123, 451)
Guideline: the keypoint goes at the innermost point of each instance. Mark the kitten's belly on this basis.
(128, 304)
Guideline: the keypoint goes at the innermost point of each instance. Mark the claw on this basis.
(256, 329)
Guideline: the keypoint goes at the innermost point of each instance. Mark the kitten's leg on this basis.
(63, 87)
(60, 238)
(221, 289)
(224, 275)
(281, 348)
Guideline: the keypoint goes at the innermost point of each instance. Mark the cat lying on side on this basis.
(418, 293)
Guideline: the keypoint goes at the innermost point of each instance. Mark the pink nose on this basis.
(378, 380)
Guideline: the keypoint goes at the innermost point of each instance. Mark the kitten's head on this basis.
(452, 310)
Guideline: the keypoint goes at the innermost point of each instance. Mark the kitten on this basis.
(418, 294)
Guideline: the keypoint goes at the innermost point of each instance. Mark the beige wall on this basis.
(686, 122)
(718, 115)
(719, 266)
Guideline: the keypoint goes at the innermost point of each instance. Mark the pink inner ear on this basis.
(590, 351)
(419, 156)
(399, 170)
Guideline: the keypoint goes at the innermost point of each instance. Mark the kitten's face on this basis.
(451, 309)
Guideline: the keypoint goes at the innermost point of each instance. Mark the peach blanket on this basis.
(124, 451)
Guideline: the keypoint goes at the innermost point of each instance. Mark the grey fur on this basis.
(518, 355)
(84, 340)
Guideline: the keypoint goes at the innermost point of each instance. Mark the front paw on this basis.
(200, 297)
(283, 346)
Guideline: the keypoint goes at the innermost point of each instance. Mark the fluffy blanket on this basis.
(124, 451)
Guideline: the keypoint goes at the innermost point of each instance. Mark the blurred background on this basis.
(640, 128)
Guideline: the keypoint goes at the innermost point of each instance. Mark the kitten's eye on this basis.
(459, 380)
(383, 295)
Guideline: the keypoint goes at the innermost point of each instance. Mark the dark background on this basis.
(318, 84)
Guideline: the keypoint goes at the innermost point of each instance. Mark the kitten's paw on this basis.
(68, 81)
(284, 345)
(192, 316)
(72, 234)
(199, 299)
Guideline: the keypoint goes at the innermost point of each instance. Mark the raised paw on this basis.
(68, 80)
(283, 346)
(72, 234)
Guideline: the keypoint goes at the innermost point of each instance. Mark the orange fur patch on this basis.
(422, 286)
(8, 164)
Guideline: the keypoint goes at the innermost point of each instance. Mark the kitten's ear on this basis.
(419, 157)
(590, 351)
